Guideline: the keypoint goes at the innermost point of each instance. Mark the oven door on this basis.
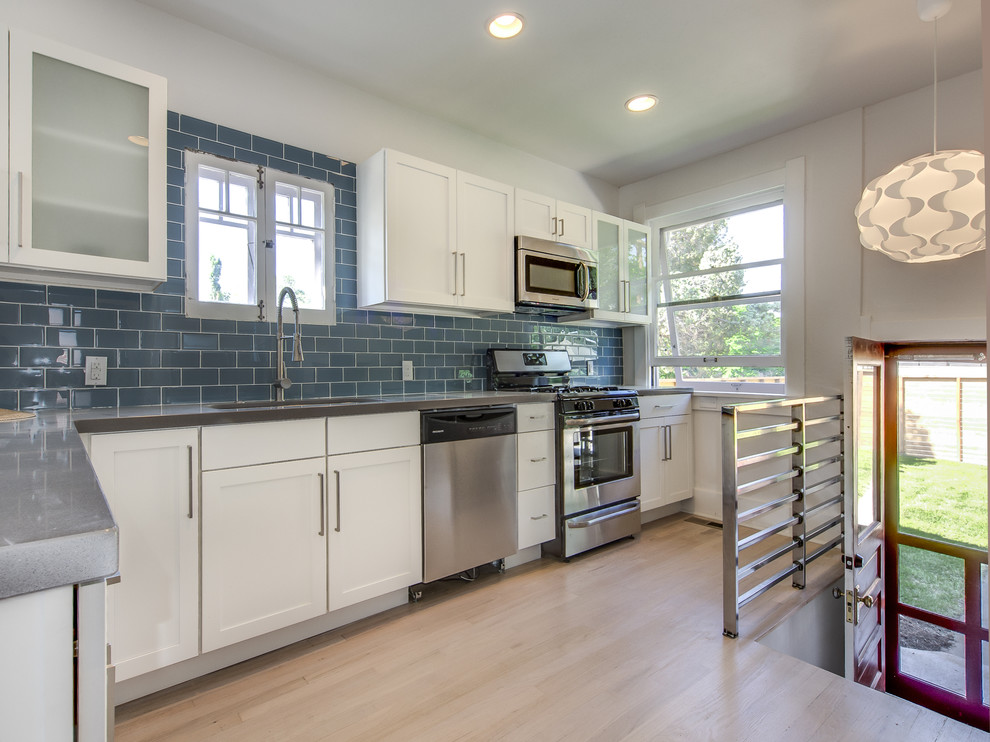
(551, 280)
(600, 464)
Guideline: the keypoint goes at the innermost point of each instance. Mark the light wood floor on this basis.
(621, 644)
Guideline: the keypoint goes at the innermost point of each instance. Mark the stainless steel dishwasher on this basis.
(469, 488)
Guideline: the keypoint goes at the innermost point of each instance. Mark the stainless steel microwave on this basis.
(555, 276)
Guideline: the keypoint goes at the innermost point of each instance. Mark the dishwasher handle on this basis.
(442, 426)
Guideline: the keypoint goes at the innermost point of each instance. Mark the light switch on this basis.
(96, 371)
(407, 371)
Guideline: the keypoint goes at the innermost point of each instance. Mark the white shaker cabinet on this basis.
(150, 479)
(536, 474)
(264, 528)
(550, 219)
(375, 506)
(666, 450)
(86, 169)
(431, 236)
(623, 249)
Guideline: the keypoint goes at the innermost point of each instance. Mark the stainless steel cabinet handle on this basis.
(538, 517)
(189, 450)
(602, 518)
(463, 273)
(670, 443)
(455, 272)
(20, 209)
(561, 227)
(323, 506)
(628, 296)
(537, 461)
(554, 225)
(336, 476)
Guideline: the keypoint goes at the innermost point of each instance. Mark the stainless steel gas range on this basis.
(597, 451)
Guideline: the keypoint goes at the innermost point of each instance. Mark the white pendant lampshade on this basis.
(926, 209)
(931, 207)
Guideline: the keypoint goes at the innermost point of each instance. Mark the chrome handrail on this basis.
(775, 456)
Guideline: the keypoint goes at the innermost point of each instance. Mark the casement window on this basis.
(250, 231)
(727, 279)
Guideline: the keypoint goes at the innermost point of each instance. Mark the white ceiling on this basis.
(727, 72)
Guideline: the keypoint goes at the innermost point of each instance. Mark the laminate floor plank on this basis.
(623, 643)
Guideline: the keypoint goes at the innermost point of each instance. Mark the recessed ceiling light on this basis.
(138, 139)
(641, 103)
(505, 26)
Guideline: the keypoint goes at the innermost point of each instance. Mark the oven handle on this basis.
(584, 422)
(580, 523)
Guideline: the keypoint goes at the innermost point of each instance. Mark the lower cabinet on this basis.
(149, 479)
(375, 521)
(666, 460)
(264, 549)
(536, 473)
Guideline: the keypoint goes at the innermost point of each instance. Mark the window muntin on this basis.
(719, 293)
(250, 231)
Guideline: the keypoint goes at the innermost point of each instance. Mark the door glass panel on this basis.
(986, 667)
(867, 494)
(942, 479)
(932, 581)
(638, 276)
(602, 456)
(89, 162)
(983, 599)
(608, 265)
(932, 654)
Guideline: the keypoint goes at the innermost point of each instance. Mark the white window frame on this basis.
(784, 185)
(267, 289)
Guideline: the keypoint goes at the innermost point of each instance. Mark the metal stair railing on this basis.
(773, 464)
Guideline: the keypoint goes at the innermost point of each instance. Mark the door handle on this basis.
(189, 450)
(20, 209)
(561, 227)
(455, 272)
(463, 274)
(336, 476)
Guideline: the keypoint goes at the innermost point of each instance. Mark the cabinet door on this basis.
(485, 220)
(637, 270)
(535, 458)
(264, 549)
(376, 520)
(420, 224)
(574, 225)
(679, 468)
(651, 464)
(535, 215)
(150, 480)
(87, 164)
(536, 516)
(611, 286)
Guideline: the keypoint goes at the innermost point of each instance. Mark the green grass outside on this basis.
(946, 501)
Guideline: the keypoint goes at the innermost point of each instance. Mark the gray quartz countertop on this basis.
(55, 525)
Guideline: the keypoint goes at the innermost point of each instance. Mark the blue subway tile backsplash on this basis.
(156, 355)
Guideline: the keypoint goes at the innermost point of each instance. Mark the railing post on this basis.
(799, 531)
(730, 527)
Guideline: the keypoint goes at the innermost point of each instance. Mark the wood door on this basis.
(150, 479)
(375, 522)
(264, 549)
(863, 547)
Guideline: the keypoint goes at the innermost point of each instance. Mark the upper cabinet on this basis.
(429, 235)
(87, 181)
(623, 270)
(549, 219)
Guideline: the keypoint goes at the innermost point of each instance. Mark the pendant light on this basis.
(930, 207)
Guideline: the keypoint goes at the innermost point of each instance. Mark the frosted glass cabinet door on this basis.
(611, 289)
(87, 163)
(637, 268)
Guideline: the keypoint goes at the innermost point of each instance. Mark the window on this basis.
(251, 231)
(721, 274)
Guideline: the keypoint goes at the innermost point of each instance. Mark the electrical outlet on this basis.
(407, 371)
(591, 368)
(96, 371)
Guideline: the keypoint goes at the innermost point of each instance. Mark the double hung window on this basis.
(250, 231)
(722, 273)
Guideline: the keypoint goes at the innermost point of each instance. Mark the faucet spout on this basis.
(282, 381)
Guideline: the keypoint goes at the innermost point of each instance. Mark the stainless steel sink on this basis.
(316, 402)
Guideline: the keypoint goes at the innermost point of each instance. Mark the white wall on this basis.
(849, 290)
(224, 82)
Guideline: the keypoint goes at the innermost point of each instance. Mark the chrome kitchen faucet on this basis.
(282, 381)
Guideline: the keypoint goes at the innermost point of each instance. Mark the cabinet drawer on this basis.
(535, 461)
(372, 432)
(225, 446)
(664, 404)
(535, 416)
(536, 516)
